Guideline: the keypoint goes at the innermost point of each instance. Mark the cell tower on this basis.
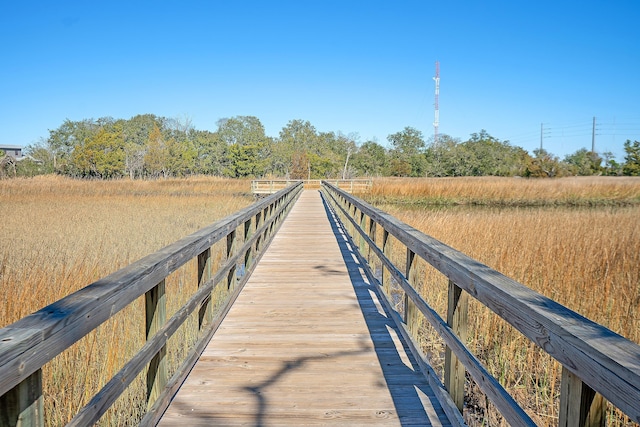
(436, 121)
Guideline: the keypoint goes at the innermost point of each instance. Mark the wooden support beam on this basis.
(454, 371)
(23, 406)
(363, 227)
(580, 406)
(373, 237)
(386, 250)
(248, 256)
(231, 244)
(205, 313)
(258, 224)
(156, 316)
(411, 312)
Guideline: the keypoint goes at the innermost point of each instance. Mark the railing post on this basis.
(248, 256)
(257, 226)
(372, 236)
(363, 228)
(24, 405)
(454, 372)
(354, 214)
(265, 218)
(410, 311)
(274, 213)
(156, 316)
(580, 405)
(386, 250)
(231, 239)
(205, 314)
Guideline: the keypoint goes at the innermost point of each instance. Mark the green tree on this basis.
(544, 165)
(443, 157)
(584, 163)
(40, 159)
(370, 159)
(490, 156)
(631, 165)
(156, 157)
(181, 157)
(611, 166)
(329, 155)
(136, 133)
(245, 139)
(63, 140)
(100, 156)
(245, 161)
(300, 135)
(211, 152)
(292, 149)
(300, 166)
(407, 153)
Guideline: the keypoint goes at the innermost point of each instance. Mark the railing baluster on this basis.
(258, 224)
(386, 250)
(248, 256)
(454, 371)
(580, 406)
(156, 316)
(231, 244)
(205, 314)
(373, 237)
(363, 227)
(24, 405)
(410, 311)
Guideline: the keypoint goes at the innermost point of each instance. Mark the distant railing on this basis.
(596, 362)
(33, 341)
(270, 186)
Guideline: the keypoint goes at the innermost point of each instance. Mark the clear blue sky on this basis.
(351, 66)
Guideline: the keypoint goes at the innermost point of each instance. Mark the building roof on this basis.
(10, 147)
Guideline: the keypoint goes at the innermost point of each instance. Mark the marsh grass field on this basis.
(575, 240)
(59, 235)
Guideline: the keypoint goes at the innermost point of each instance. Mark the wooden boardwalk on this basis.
(306, 343)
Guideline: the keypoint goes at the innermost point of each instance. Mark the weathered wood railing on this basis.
(270, 186)
(596, 361)
(30, 343)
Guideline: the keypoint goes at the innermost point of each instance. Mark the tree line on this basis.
(148, 146)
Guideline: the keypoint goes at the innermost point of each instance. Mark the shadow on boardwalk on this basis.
(252, 394)
(404, 379)
(259, 391)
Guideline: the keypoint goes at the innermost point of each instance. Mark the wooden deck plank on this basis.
(306, 343)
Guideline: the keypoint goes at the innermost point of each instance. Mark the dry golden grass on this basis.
(585, 258)
(58, 235)
(576, 191)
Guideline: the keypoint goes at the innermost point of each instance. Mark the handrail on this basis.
(31, 342)
(595, 360)
(269, 186)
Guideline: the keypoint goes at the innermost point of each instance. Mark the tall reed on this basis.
(585, 258)
(58, 235)
(499, 191)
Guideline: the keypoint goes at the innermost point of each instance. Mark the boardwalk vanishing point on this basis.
(306, 343)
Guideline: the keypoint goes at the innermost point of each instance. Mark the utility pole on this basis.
(436, 122)
(541, 133)
(593, 136)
